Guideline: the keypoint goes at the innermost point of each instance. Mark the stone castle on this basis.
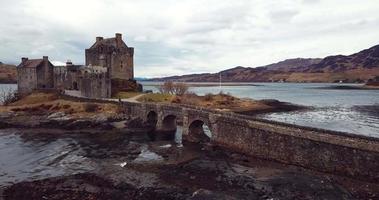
(108, 70)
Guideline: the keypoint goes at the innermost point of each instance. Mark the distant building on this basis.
(35, 74)
(108, 70)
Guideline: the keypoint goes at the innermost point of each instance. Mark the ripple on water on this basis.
(362, 120)
(25, 159)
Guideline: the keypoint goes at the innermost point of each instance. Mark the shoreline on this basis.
(190, 172)
(348, 87)
(179, 166)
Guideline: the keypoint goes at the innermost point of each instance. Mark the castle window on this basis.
(121, 65)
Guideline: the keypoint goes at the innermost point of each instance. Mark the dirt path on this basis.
(133, 99)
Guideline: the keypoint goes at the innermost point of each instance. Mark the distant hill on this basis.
(358, 67)
(8, 73)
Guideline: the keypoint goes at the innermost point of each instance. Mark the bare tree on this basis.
(180, 89)
(170, 87)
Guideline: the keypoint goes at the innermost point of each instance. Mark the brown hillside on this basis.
(358, 67)
(8, 73)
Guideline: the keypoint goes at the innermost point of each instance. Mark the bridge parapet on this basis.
(322, 150)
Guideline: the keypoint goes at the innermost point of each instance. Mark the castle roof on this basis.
(31, 63)
(109, 42)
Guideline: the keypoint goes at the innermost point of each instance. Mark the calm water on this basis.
(353, 111)
(27, 155)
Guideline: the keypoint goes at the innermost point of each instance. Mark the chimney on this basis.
(68, 63)
(98, 39)
(45, 58)
(24, 59)
(118, 36)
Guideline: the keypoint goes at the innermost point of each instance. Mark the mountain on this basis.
(8, 73)
(358, 67)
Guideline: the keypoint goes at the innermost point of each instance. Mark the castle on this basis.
(108, 70)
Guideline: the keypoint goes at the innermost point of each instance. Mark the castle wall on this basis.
(73, 80)
(95, 85)
(60, 76)
(119, 61)
(122, 64)
(45, 75)
(27, 79)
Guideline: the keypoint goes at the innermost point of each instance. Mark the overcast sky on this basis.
(173, 37)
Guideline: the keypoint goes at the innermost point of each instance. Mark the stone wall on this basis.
(45, 75)
(121, 85)
(319, 150)
(38, 76)
(119, 61)
(327, 151)
(95, 85)
(27, 79)
(122, 64)
(60, 76)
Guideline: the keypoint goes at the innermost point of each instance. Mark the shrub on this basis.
(9, 96)
(208, 97)
(170, 87)
(91, 107)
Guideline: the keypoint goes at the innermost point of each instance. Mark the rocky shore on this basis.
(131, 161)
(138, 168)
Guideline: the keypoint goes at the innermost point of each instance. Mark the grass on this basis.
(156, 97)
(126, 95)
(50, 103)
(35, 98)
(221, 101)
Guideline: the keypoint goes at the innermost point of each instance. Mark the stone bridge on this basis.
(326, 151)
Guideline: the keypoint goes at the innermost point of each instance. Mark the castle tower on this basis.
(113, 54)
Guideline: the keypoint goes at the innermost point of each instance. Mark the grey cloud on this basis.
(310, 1)
(283, 16)
(175, 37)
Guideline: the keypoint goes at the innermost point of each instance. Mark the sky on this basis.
(174, 37)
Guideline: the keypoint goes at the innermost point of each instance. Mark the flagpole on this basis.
(220, 82)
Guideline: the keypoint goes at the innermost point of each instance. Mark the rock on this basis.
(80, 124)
(135, 123)
(206, 194)
(6, 115)
(57, 115)
(119, 124)
(101, 118)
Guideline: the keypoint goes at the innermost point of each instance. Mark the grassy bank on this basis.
(41, 102)
(126, 95)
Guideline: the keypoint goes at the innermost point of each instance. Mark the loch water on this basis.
(348, 110)
(354, 111)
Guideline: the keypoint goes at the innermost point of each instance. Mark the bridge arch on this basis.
(199, 131)
(152, 119)
(169, 122)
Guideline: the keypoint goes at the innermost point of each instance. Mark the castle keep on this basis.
(108, 70)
